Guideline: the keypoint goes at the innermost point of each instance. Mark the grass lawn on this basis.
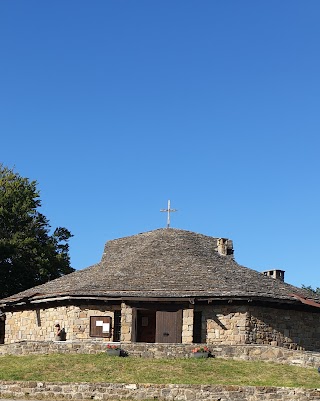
(103, 368)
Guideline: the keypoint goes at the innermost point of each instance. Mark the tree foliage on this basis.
(309, 288)
(29, 255)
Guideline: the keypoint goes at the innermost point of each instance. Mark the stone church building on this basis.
(166, 286)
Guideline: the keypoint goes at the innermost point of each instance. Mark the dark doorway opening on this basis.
(117, 325)
(2, 326)
(197, 327)
(146, 326)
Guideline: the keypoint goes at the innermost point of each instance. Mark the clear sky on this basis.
(116, 106)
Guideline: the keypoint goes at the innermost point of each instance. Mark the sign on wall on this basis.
(100, 326)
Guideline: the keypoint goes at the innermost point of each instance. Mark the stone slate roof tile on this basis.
(164, 263)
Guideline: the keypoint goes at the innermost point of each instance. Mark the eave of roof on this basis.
(191, 299)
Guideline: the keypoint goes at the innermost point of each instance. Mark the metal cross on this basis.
(168, 210)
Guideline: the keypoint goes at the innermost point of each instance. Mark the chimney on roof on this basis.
(224, 246)
(275, 273)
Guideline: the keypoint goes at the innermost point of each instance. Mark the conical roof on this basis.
(164, 263)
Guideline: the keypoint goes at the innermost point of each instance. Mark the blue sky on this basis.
(114, 107)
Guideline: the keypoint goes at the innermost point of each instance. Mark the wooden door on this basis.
(169, 326)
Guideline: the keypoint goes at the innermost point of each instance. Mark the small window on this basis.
(100, 326)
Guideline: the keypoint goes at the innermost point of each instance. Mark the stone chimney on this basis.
(275, 273)
(224, 246)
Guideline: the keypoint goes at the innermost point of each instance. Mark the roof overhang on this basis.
(40, 299)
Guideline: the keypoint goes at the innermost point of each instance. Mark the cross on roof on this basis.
(168, 210)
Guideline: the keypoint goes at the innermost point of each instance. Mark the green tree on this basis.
(309, 288)
(29, 255)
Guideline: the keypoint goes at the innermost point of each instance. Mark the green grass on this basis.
(102, 368)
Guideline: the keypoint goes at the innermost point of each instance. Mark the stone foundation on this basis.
(155, 350)
(170, 392)
(111, 391)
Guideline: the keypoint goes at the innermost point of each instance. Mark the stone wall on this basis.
(231, 324)
(111, 391)
(151, 350)
(187, 326)
(285, 328)
(126, 323)
(35, 325)
(223, 324)
(38, 325)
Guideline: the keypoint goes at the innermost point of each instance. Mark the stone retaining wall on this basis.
(151, 350)
(170, 392)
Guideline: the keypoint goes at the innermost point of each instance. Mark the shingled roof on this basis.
(164, 263)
